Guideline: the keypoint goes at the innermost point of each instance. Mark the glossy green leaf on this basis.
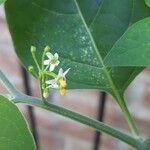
(82, 32)
(14, 133)
(147, 2)
(2, 1)
(133, 49)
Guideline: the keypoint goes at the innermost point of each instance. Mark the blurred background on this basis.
(57, 133)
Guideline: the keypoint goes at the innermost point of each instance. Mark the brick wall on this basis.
(58, 133)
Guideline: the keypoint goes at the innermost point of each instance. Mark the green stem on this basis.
(7, 84)
(41, 89)
(32, 71)
(52, 74)
(99, 126)
(128, 117)
(46, 49)
(33, 50)
(107, 74)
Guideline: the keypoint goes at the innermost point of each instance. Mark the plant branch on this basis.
(128, 117)
(108, 76)
(7, 84)
(99, 126)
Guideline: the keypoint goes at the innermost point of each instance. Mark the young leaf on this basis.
(82, 32)
(14, 131)
(133, 48)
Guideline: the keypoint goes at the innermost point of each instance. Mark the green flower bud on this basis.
(31, 69)
(45, 93)
(33, 49)
(46, 49)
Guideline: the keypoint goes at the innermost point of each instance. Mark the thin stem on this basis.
(99, 126)
(43, 57)
(50, 74)
(7, 84)
(47, 49)
(41, 89)
(129, 118)
(46, 67)
(33, 50)
(32, 71)
(109, 78)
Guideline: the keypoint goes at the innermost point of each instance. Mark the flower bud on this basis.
(45, 93)
(33, 49)
(31, 69)
(46, 49)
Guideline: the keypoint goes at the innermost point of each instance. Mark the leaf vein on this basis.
(51, 11)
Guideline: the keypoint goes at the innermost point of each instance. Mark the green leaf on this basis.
(14, 131)
(133, 48)
(147, 2)
(82, 32)
(2, 1)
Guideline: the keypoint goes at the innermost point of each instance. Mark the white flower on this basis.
(59, 82)
(52, 84)
(52, 62)
(61, 74)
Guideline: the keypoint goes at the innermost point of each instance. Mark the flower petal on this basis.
(52, 67)
(56, 56)
(49, 55)
(60, 73)
(46, 62)
(52, 84)
(57, 63)
(66, 72)
(50, 81)
(55, 86)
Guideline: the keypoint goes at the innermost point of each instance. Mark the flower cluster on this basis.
(59, 82)
(47, 77)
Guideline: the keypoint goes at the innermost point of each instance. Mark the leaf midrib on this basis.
(113, 86)
(89, 33)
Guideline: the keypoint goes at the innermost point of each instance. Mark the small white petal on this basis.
(57, 63)
(56, 56)
(50, 81)
(49, 55)
(54, 86)
(46, 62)
(50, 86)
(66, 72)
(60, 73)
(52, 67)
